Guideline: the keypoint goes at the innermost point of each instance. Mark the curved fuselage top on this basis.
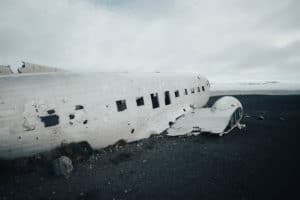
(40, 111)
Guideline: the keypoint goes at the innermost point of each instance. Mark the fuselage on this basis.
(38, 112)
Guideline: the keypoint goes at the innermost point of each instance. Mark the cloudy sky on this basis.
(224, 40)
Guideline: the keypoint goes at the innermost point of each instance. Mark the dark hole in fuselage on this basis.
(177, 93)
(140, 101)
(155, 101)
(71, 116)
(79, 107)
(51, 120)
(171, 123)
(167, 98)
(50, 112)
(85, 121)
(121, 105)
(132, 131)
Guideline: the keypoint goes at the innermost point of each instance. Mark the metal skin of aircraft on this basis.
(41, 111)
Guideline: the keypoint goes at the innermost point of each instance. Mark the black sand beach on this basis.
(259, 162)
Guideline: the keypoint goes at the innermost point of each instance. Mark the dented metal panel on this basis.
(42, 111)
(212, 120)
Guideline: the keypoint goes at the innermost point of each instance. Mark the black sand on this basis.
(260, 162)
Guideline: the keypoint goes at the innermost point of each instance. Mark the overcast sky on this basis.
(224, 40)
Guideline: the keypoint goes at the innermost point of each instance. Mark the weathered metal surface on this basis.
(216, 120)
(39, 112)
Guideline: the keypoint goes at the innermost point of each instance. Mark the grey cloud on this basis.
(256, 55)
(140, 8)
(217, 38)
(285, 18)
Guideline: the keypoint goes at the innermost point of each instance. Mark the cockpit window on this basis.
(198, 89)
(203, 88)
(121, 105)
(192, 90)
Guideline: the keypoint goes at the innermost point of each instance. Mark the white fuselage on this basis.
(38, 112)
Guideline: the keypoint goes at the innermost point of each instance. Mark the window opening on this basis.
(167, 98)
(121, 105)
(177, 93)
(140, 101)
(155, 101)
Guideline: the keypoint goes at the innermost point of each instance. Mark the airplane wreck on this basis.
(41, 110)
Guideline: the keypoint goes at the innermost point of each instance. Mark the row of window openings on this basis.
(121, 104)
